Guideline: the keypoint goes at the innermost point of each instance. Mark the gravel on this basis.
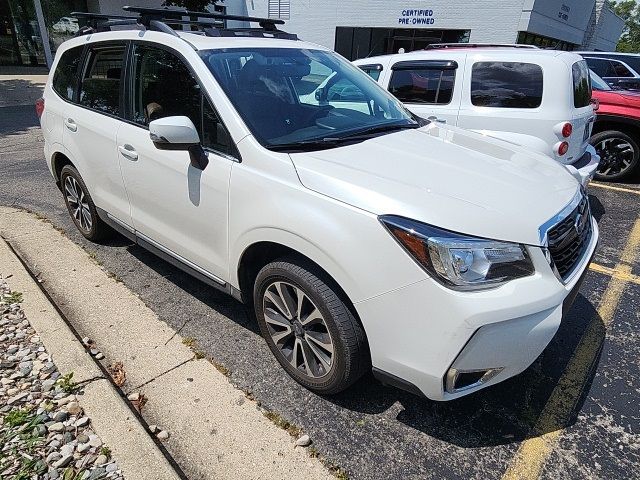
(44, 434)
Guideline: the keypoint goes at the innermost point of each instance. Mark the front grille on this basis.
(568, 240)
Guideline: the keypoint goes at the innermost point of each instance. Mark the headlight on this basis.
(459, 261)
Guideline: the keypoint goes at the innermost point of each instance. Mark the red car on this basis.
(616, 133)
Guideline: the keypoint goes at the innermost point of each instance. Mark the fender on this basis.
(603, 117)
(297, 243)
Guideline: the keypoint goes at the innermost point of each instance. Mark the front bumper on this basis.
(585, 167)
(420, 333)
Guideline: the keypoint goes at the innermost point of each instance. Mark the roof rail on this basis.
(157, 19)
(438, 46)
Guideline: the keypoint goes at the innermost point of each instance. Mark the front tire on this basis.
(308, 327)
(80, 205)
(619, 154)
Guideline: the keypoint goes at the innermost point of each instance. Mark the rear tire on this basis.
(80, 205)
(308, 327)
(619, 154)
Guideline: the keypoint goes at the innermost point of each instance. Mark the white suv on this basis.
(441, 258)
(537, 98)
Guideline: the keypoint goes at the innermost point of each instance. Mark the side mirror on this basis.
(178, 133)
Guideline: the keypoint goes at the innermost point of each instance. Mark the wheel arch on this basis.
(58, 160)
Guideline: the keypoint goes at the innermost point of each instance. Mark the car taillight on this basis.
(567, 130)
(563, 148)
(40, 107)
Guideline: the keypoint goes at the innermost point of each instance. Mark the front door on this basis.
(176, 207)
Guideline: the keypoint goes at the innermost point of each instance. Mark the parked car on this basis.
(66, 25)
(616, 132)
(361, 236)
(617, 69)
(536, 98)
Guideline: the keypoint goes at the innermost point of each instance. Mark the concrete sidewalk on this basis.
(215, 430)
(111, 418)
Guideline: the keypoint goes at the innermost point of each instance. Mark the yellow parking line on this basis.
(611, 187)
(620, 274)
(533, 453)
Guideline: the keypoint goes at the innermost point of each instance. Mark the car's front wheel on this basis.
(80, 205)
(619, 154)
(308, 327)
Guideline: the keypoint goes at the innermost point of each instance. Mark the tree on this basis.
(629, 10)
(193, 5)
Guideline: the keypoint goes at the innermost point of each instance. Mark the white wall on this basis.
(565, 19)
(609, 27)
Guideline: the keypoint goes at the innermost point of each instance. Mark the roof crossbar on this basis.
(101, 22)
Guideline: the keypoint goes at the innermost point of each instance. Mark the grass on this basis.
(106, 451)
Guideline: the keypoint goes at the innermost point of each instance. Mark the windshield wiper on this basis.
(304, 145)
(369, 131)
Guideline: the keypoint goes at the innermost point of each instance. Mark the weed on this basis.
(277, 419)
(67, 384)
(17, 417)
(223, 370)
(106, 451)
(313, 452)
(199, 354)
(13, 297)
(360, 423)
(189, 341)
(339, 473)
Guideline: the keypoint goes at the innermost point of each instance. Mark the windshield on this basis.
(598, 83)
(287, 95)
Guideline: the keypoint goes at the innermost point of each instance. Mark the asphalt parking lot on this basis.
(573, 414)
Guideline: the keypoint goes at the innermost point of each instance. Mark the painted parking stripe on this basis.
(533, 453)
(620, 274)
(611, 187)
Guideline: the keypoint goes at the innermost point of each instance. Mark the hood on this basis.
(624, 98)
(446, 177)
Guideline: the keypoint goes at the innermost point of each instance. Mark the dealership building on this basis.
(31, 30)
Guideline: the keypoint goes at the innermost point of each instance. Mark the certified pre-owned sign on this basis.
(416, 17)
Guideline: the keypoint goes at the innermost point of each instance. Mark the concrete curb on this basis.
(111, 418)
(215, 431)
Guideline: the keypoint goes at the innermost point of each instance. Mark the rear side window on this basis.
(581, 84)
(506, 85)
(601, 66)
(373, 71)
(65, 79)
(100, 88)
(620, 70)
(426, 84)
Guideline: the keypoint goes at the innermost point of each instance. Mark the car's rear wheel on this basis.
(619, 154)
(80, 205)
(308, 327)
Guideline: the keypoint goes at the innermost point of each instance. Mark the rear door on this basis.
(90, 124)
(429, 88)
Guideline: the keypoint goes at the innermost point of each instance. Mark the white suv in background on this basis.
(540, 99)
(361, 237)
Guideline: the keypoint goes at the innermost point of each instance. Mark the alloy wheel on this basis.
(298, 329)
(78, 203)
(616, 156)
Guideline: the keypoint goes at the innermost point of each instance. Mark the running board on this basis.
(168, 256)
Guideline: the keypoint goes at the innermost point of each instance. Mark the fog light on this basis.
(461, 380)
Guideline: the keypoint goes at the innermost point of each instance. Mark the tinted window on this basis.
(506, 85)
(100, 88)
(581, 84)
(65, 79)
(620, 70)
(434, 86)
(165, 87)
(601, 67)
(633, 61)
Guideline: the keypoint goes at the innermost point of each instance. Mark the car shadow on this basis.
(597, 208)
(21, 119)
(502, 414)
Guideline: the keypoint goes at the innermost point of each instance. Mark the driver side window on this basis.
(165, 87)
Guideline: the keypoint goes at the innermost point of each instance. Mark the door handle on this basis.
(71, 124)
(128, 151)
(433, 118)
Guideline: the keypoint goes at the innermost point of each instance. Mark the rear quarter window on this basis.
(506, 85)
(65, 78)
(426, 85)
(581, 84)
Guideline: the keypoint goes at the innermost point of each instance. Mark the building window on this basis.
(280, 9)
(506, 85)
(527, 38)
(423, 84)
